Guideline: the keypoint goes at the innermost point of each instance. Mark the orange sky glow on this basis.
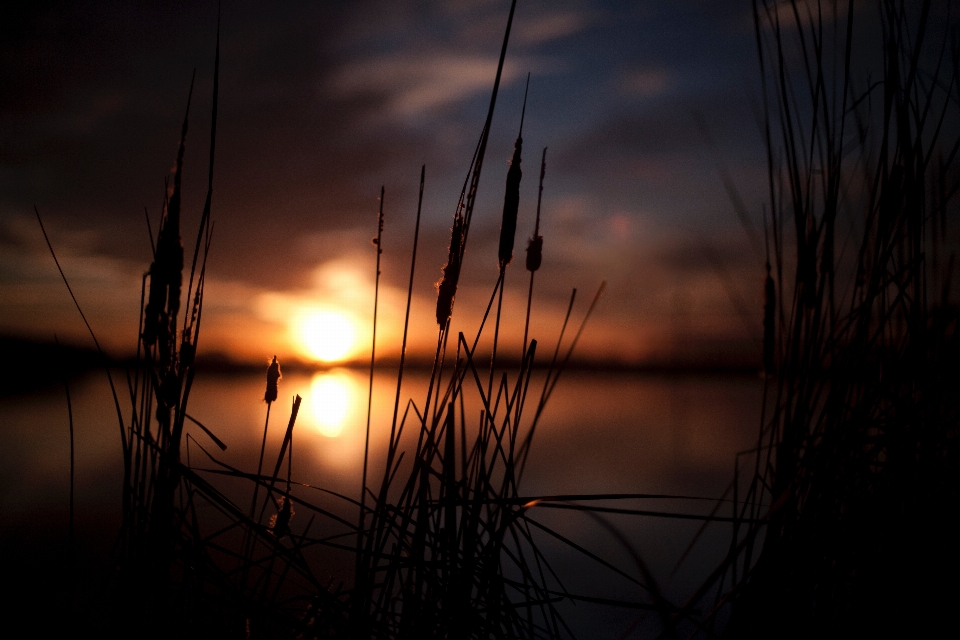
(306, 139)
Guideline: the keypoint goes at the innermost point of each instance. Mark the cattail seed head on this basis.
(535, 245)
(154, 308)
(511, 203)
(169, 392)
(188, 352)
(279, 524)
(534, 253)
(447, 286)
(166, 275)
(273, 377)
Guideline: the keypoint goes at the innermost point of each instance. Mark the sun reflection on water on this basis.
(333, 398)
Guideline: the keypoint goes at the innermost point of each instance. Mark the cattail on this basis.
(172, 253)
(769, 322)
(166, 271)
(169, 390)
(447, 286)
(535, 245)
(188, 352)
(154, 309)
(534, 252)
(279, 524)
(273, 377)
(197, 303)
(375, 241)
(166, 275)
(511, 199)
(511, 203)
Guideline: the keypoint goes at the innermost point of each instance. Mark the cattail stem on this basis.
(153, 247)
(249, 539)
(263, 448)
(526, 322)
(496, 331)
(269, 396)
(485, 134)
(373, 357)
(284, 445)
(534, 250)
(204, 228)
(406, 318)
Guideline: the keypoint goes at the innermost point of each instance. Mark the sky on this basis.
(645, 107)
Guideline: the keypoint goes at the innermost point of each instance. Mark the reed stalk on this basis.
(838, 520)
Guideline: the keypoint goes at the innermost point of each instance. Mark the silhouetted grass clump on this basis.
(843, 508)
(442, 544)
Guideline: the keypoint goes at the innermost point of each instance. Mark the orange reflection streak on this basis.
(332, 398)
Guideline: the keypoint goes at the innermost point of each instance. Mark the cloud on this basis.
(645, 83)
(414, 85)
(551, 27)
(34, 301)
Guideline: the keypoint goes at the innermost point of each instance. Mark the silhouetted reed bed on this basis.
(838, 515)
(843, 507)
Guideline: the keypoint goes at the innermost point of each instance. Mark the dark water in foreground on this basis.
(600, 433)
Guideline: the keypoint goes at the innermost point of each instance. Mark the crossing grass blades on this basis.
(841, 512)
(441, 543)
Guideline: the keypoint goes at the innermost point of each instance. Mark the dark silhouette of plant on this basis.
(842, 508)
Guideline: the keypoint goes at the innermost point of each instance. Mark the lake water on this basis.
(600, 433)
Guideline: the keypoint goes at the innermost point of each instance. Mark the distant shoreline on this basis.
(37, 365)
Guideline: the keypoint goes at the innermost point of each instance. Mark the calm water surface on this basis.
(600, 433)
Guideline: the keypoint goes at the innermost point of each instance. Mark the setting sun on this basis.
(329, 336)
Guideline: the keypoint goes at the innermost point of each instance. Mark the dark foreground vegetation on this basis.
(857, 471)
(839, 515)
